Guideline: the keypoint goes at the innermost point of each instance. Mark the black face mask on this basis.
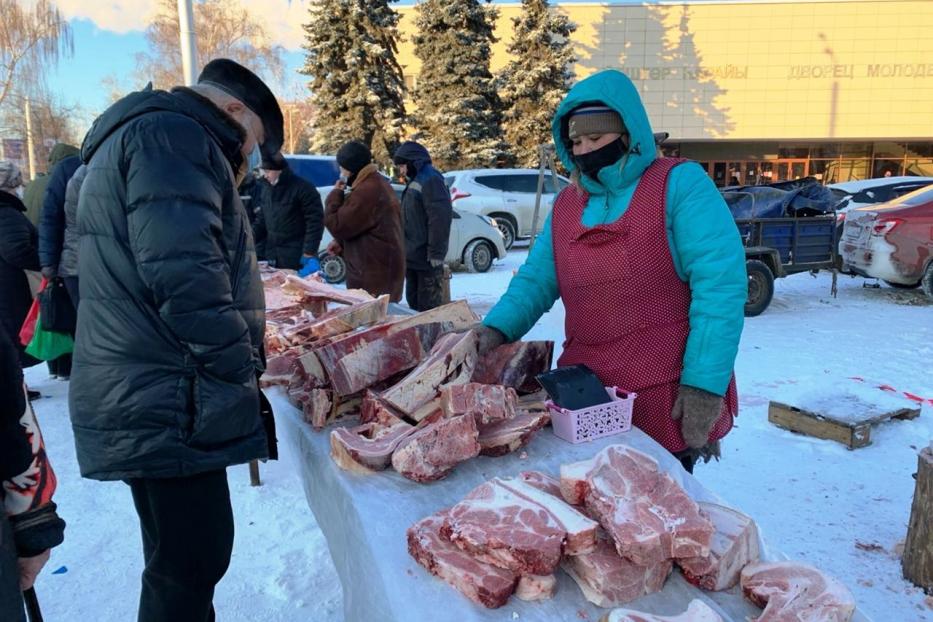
(591, 163)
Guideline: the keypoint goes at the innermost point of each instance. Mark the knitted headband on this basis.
(594, 120)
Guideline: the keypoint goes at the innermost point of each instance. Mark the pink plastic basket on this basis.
(587, 424)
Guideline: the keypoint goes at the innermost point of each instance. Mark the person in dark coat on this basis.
(164, 390)
(365, 220)
(52, 239)
(34, 195)
(290, 220)
(426, 214)
(29, 524)
(68, 264)
(19, 243)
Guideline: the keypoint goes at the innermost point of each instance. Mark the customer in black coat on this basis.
(290, 217)
(164, 388)
(52, 224)
(18, 252)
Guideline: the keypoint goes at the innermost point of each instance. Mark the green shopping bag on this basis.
(47, 346)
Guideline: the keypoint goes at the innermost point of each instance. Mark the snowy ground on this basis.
(844, 511)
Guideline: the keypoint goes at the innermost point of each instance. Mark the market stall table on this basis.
(364, 519)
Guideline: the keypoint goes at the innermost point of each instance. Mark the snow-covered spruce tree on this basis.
(458, 114)
(356, 82)
(536, 79)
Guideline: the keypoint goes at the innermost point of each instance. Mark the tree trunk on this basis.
(918, 550)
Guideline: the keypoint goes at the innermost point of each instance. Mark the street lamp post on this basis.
(189, 46)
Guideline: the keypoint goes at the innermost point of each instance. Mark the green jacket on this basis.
(703, 238)
(34, 193)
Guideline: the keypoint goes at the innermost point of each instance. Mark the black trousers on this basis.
(424, 288)
(71, 284)
(187, 529)
(11, 599)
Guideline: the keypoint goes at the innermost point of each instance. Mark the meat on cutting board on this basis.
(734, 545)
(482, 583)
(791, 591)
(648, 516)
(697, 611)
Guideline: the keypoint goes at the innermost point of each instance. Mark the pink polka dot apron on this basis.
(627, 310)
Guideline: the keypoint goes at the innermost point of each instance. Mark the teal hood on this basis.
(614, 89)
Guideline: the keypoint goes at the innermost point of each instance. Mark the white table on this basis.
(364, 518)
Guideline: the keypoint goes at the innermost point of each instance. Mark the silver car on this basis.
(505, 194)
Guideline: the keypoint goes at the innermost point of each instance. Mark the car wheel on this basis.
(478, 256)
(333, 268)
(927, 281)
(760, 287)
(902, 285)
(508, 228)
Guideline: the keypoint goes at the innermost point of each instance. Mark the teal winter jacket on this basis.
(703, 238)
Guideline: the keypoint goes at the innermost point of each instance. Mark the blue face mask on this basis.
(254, 159)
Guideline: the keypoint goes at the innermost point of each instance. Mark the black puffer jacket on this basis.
(426, 210)
(68, 264)
(290, 221)
(171, 319)
(18, 251)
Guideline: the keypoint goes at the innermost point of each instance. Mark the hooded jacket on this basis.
(703, 239)
(171, 319)
(426, 210)
(18, 251)
(34, 194)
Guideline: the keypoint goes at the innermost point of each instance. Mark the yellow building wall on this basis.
(814, 70)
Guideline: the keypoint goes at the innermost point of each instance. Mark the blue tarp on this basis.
(798, 198)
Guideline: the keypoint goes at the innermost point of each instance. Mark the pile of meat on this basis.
(617, 524)
(424, 397)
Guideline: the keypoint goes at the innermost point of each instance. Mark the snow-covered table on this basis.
(364, 518)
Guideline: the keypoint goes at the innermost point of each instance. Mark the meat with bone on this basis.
(485, 402)
(310, 288)
(516, 526)
(368, 447)
(542, 481)
(791, 591)
(380, 359)
(482, 583)
(697, 611)
(648, 516)
(608, 580)
(533, 587)
(339, 321)
(734, 545)
(432, 451)
(503, 437)
(515, 365)
(451, 362)
(280, 368)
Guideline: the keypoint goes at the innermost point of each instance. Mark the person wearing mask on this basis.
(34, 195)
(164, 392)
(290, 218)
(52, 239)
(426, 213)
(650, 267)
(19, 251)
(29, 523)
(364, 216)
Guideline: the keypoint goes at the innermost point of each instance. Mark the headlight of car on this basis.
(489, 221)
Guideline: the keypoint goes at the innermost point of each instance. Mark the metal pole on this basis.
(30, 146)
(189, 45)
(542, 164)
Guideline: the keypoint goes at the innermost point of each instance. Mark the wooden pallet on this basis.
(852, 434)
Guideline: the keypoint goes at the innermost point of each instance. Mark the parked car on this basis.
(505, 194)
(892, 241)
(855, 194)
(475, 242)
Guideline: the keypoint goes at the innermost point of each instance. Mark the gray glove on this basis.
(436, 263)
(488, 337)
(697, 410)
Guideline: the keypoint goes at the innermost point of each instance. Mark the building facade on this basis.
(761, 91)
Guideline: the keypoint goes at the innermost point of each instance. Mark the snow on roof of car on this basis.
(864, 184)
